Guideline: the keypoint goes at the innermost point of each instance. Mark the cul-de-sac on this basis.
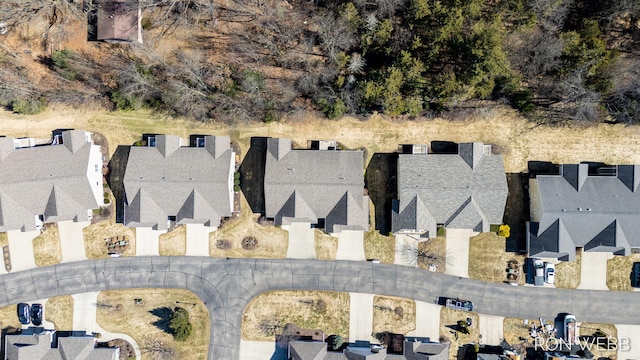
(319, 180)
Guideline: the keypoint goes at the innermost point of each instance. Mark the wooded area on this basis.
(256, 60)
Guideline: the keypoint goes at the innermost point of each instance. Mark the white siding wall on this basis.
(95, 177)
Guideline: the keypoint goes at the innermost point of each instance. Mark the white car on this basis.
(549, 273)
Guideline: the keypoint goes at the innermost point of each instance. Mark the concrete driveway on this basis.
(404, 253)
(302, 241)
(261, 350)
(630, 333)
(360, 317)
(21, 249)
(72, 240)
(427, 320)
(147, 243)
(198, 239)
(593, 271)
(491, 329)
(350, 245)
(458, 252)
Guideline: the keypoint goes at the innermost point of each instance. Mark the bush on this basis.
(236, 188)
(145, 23)
(120, 102)
(236, 175)
(29, 106)
(505, 230)
(179, 324)
(107, 201)
(59, 58)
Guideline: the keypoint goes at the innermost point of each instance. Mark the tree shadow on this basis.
(164, 313)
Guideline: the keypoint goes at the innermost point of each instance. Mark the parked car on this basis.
(36, 314)
(549, 273)
(459, 304)
(24, 314)
(635, 275)
(535, 271)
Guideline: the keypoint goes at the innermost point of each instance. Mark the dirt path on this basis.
(512, 135)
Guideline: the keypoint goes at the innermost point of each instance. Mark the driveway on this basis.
(72, 240)
(350, 245)
(360, 317)
(261, 350)
(427, 321)
(198, 239)
(21, 249)
(84, 319)
(302, 241)
(491, 329)
(593, 271)
(147, 243)
(405, 243)
(630, 333)
(458, 252)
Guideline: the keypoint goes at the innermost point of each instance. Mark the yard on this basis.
(9, 319)
(4, 239)
(596, 330)
(147, 322)
(568, 272)
(449, 329)
(433, 252)
(267, 314)
(380, 247)
(174, 242)
(59, 310)
(515, 330)
(243, 236)
(488, 259)
(619, 272)
(326, 245)
(95, 235)
(393, 314)
(46, 246)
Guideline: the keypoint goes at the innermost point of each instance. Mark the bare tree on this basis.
(157, 349)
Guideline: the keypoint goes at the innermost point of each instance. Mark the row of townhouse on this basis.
(461, 186)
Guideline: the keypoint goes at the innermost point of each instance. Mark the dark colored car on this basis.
(635, 275)
(36, 314)
(24, 313)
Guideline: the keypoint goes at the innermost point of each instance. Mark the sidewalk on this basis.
(84, 318)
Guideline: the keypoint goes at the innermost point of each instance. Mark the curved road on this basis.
(227, 285)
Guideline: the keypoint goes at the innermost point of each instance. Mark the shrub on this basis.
(107, 201)
(145, 23)
(504, 230)
(236, 188)
(29, 106)
(120, 102)
(236, 175)
(59, 58)
(179, 324)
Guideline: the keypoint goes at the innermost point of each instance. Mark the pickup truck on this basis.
(458, 304)
(535, 271)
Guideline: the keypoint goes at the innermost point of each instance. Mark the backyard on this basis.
(147, 321)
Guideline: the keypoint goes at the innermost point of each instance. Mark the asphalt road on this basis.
(226, 287)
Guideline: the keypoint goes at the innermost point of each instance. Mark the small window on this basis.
(171, 218)
(151, 141)
(97, 168)
(200, 142)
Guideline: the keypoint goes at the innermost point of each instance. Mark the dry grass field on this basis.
(9, 318)
(59, 310)
(514, 330)
(326, 245)
(117, 312)
(600, 352)
(46, 246)
(488, 259)
(4, 239)
(448, 323)
(568, 272)
(174, 242)
(619, 272)
(94, 235)
(380, 247)
(268, 313)
(435, 250)
(227, 240)
(393, 314)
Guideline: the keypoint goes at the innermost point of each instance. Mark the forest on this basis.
(259, 60)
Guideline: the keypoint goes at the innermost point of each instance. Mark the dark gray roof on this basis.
(61, 182)
(307, 185)
(194, 184)
(414, 349)
(594, 212)
(467, 190)
(38, 347)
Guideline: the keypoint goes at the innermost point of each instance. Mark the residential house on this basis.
(46, 345)
(166, 183)
(413, 349)
(324, 187)
(588, 206)
(463, 189)
(49, 183)
(119, 21)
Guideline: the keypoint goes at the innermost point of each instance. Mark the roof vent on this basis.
(164, 178)
(588, 209)
(579, 209)
(564, 209)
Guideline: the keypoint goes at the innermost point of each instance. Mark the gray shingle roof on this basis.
(413, 350)
(38, 347)
(594, 212)
(467, 190)
(61, 182)
(193, 184)
(307, 185)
